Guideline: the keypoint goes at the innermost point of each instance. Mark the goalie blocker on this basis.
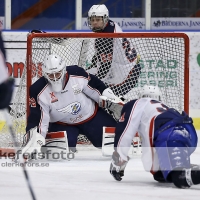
(31, 146)
(35, 146)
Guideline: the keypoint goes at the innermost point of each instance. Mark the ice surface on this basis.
(87, 177)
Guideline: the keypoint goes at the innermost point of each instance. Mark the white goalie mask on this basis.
(98, 11)
(54, 70)
(151, 91)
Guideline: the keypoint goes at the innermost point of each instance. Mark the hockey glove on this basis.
(117, 166)
(113, 105)
(6, 90)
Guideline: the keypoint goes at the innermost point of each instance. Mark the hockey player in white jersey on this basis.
(98, 20)
(115, 62)
(168, 140)
(66, 99)
(6, 83)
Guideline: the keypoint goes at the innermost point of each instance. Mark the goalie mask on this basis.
(54, 69)
(98, 17)
(151, 91)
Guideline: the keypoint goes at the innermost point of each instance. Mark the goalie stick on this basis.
(9, 123)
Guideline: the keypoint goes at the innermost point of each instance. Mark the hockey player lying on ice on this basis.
(66, 99)
(168, 140)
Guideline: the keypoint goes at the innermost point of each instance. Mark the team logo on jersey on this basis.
(122, 118)
(32, 102)
(76, 89)
(112, 23)
(76, 119)
(53, 97)
(73, 108)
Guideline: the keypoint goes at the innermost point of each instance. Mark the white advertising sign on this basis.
(175, 23)
(156, 23)
(124, 23)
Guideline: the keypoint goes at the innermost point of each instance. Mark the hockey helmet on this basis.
(151, 91)
(98, 11)
(54, 69)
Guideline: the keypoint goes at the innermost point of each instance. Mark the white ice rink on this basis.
(87, 177)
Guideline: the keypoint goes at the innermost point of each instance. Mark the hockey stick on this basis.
(15, 114)
(83, 53)
(9, 123)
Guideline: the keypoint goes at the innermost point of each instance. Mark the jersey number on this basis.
(160, 109)
(130, 54)
(106, 57)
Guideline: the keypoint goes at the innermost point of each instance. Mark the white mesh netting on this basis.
(163, 60)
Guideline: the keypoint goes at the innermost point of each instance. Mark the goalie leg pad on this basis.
(56, 147)
(108, 141)
(137, 149)
(72, 134)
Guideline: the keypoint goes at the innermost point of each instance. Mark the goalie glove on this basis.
(113, 105)
(117, 166)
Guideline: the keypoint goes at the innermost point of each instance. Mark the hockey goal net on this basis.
(163, 62)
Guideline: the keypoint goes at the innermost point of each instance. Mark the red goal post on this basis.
(164, 62)
(151, 37)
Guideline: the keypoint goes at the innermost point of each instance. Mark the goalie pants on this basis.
(92, 129)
